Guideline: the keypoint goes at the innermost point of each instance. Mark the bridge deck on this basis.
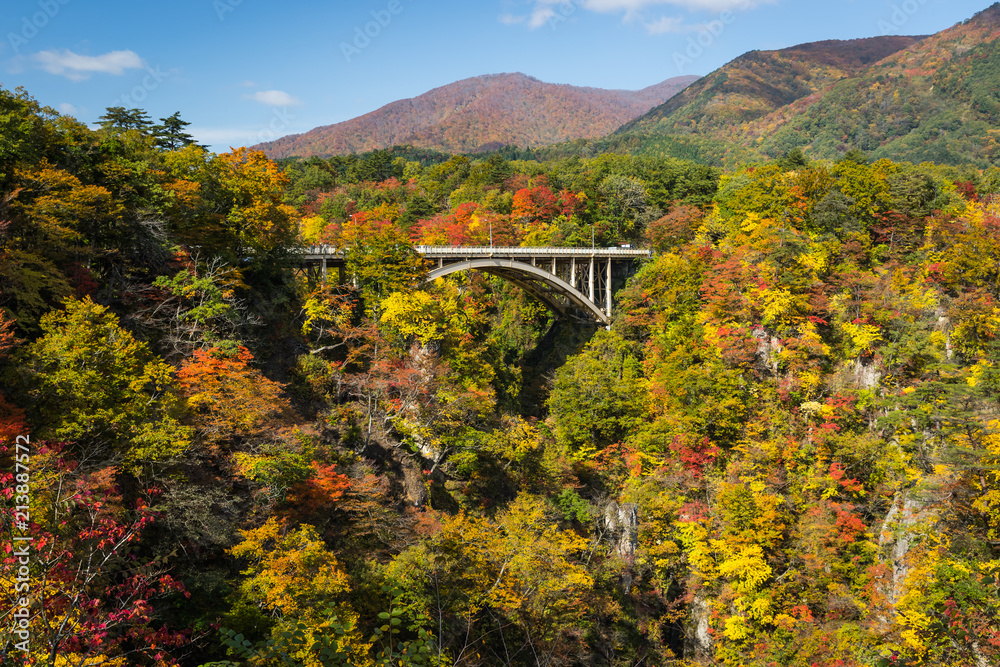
(328, 252)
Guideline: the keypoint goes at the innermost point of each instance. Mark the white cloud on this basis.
(274, 98)
(511, 19)
(540, 17)
(676, 25)
(75, 67)
(667, 24)
(67, 109)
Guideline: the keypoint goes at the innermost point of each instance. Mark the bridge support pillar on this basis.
(607, 289)
(323, 270)
(572, 271)
(590, 282)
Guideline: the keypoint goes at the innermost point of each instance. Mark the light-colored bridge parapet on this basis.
(433, 252)
(317, 252)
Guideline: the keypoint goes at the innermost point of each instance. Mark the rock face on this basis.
(768, 348)
(698, 640)
(866, 373)
(944, 325)
(896, 538)
(621, 525)
(413, 484)
(906, 519)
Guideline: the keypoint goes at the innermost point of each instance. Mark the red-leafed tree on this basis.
(536, 204)
(11, 417)
(92, 598)
(572, 203)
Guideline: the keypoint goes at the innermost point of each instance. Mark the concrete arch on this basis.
(530, 278)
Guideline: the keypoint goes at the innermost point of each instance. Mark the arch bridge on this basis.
(576, 283)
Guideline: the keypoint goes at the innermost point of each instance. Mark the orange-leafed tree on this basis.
(228, 397)
(313, 497)
(675, 228)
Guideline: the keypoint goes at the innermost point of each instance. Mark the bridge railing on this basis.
(528, 252)
(320, 250)
(460, 251)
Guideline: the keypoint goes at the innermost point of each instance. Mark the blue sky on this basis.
(244, 71)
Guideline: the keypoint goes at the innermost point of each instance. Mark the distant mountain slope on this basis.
(938, 100)
(913, 99)
(481, 113)
(759, 82)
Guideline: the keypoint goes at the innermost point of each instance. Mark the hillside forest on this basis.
(783, 451)
(917, 99)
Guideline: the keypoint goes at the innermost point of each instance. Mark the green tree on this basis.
(380, 260)
(90, 381)
(26, 133)
(598, 395)
(170, 133)
(627, 207)
(120, 118)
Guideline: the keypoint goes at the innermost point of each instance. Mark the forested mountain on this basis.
(482, 113)
(759, 82)
(929, 100)
(935, 101)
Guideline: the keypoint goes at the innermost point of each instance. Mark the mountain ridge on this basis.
(482, 113)
(933, 100)
(764, 81)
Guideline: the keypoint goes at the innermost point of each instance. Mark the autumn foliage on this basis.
(782, 451)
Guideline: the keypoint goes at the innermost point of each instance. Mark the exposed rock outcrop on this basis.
(621, 525)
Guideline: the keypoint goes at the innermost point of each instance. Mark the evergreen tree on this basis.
(170, 133)
(120, 118)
